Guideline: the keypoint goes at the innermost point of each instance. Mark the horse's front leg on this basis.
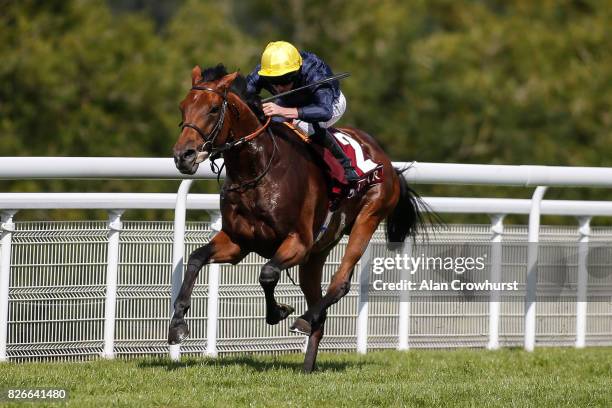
(220, 249)
(291, 252)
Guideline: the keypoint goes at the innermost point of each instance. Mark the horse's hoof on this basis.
(178, 332)
(282, 311)
(301, 326)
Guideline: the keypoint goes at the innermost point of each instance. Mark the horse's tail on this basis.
(407, 216)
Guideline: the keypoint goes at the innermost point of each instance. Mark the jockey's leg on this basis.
(290, 253)
(321, 136)
(326, 139)
(221, 249)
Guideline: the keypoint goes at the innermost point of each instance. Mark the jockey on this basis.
(313, 110)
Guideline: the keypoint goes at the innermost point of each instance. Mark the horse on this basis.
(264, 212)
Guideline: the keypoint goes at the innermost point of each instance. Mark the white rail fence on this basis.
(123, 326)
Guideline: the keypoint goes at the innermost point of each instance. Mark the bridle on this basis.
(212, 136)
(217, 152)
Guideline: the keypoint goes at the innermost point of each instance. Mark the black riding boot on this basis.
(324, 138)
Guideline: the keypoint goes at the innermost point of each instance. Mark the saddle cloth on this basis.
(370, 173)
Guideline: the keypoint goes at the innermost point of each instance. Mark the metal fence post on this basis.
(532, 268)
(213, 294)
(178, 252)
(362, 313)
(581, 296)
(6, 228)
(110, 307)
(497, 229)
(404, 304)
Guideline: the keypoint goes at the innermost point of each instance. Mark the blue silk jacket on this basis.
(313, 104)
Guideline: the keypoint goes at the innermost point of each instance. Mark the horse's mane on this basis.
(239, 87)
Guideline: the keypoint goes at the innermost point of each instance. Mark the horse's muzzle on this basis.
(187, 161)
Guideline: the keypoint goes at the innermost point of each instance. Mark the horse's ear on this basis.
(226, 81)
(196, 75)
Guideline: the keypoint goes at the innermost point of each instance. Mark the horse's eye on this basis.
(214, 109)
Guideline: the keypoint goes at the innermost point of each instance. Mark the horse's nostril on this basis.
(188, 154)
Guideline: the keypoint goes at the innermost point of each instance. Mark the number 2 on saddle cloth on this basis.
(370, 173)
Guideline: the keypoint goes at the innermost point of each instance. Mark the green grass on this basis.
(547, 377)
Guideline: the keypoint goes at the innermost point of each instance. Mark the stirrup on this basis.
(351, 175)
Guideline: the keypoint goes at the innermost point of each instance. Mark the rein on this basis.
(229, 145)
(216, 152)
(253, 182)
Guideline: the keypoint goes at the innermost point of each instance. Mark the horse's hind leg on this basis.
(220, 249)
(340, 283)
(291, 252)
(310, 282)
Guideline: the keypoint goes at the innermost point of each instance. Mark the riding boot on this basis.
(326, 139)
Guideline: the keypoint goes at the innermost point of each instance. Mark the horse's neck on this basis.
(250, 159)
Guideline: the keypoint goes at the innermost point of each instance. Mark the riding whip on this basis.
(331, 78)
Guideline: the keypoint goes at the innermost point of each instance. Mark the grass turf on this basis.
(551, 377)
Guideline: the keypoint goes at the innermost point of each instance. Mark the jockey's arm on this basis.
(253, 83)
(321, 109)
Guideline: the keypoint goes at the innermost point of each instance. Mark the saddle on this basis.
(370, 173)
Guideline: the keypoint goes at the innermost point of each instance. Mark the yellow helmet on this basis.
(279, 58)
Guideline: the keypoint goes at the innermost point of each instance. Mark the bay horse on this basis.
(274, 201)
